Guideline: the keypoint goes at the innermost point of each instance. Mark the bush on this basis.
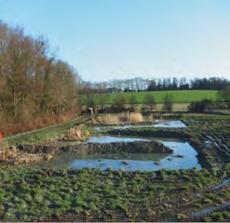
(108, 119)
(205, 105)
(119, 103)
(150, 101)
(225, 95)
(133, 101)
(168, 103)
(132, 117)
(90, 101)
(102, 99)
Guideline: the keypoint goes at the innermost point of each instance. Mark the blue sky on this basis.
(108, 39)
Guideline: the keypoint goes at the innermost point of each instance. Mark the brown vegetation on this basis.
(78, 133)
(14, 156)
(125, 117)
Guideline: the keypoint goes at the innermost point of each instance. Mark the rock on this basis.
(167, 205)
(178, 156)
(124, 162)
(156, 162)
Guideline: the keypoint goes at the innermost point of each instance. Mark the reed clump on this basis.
(124, 117)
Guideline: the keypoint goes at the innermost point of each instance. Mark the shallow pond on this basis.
(156, 124)
(184, 156)
(111, 139)
(169, 124)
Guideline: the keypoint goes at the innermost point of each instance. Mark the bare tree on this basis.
(33, 85)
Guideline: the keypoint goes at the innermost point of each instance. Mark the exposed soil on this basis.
(94, 148)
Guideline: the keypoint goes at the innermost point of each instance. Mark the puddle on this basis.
(184, 156)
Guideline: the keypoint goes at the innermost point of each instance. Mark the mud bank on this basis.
(95, 148)
(151, 133)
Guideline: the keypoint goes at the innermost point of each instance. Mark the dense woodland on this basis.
(35, 88)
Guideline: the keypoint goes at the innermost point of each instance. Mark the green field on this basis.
(179, 96)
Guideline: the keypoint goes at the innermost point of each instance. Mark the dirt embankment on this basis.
(92, 148)
(159, 133)
(13, 155)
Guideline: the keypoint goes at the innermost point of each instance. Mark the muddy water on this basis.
(183, 157)
(125, 161)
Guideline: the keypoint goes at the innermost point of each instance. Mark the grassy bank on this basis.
(39, 135)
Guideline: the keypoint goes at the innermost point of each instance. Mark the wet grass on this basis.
(95, 195)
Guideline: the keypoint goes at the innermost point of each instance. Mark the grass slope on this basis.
(42, 134)
(179, 96)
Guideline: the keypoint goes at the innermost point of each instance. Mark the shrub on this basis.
(119, 102)
(150, 101)
(133, 117)
(205, 105)
(168, 103)
(225, 95)
(133, 101)
(108, 119)
(101, 101)
(90, 102)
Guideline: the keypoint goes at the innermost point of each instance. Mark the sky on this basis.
(118, 39)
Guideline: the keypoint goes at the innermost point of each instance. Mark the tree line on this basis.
(122, 103)
(141, 84)
(35, 87)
